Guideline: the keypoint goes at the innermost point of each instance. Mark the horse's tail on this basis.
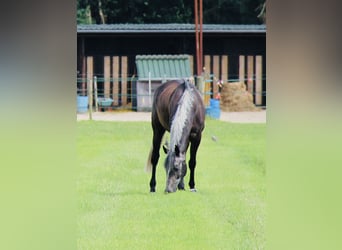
(148, 167)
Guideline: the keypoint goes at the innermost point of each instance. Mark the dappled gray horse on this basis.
(177, 108)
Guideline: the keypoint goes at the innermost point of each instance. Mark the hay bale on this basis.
(236, 98)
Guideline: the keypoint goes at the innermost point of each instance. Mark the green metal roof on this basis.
(162, 67)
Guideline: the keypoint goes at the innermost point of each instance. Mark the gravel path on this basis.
(236, 117)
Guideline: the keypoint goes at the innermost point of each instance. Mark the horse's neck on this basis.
(181, 139)
(183, 144)
(182, 120)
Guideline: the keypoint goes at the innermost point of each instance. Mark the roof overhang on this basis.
(168, 28)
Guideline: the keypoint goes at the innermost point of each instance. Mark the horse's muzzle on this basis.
(171, 186)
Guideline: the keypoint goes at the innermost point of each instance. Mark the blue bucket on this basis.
(82, 104)
(214, 110)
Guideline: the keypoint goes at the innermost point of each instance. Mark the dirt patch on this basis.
(116, 116)
(236, 117)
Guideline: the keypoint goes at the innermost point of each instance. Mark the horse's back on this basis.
(163, 94)
(162, 103)
(165, 102)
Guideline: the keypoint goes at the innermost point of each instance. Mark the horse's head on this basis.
(175, 166)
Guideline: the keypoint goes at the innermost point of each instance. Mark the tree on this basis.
(90, 11)
(168, 11)
(262, 13)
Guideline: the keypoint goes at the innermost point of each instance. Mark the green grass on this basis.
(116, 210)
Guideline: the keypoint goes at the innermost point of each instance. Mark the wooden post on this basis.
(90, 84)
(224, 69)
(89, 68)
(149, 89)
(124, 80)
(95, 94)
(250, 75)
(258, 80)
(84, 69)
(199, 81)
(207, 86)
(242, 68)
(106, 76)
(191, 61)
(115, 80)
(216, 72)
(207, 63)
(90, 98)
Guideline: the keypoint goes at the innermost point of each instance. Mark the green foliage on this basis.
(83, 16)
(177, 11)
(231, 11)
(116, 210)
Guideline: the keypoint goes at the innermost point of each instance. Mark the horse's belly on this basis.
(164, 120)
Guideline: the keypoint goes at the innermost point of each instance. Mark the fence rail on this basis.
(105, 98)
(111, 79)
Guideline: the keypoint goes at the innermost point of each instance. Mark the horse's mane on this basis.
(181, 116)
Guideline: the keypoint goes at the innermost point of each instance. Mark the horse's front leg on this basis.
(157, 137)
(195, 142)
(181, 184)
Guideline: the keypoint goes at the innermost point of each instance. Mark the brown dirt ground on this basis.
(235, 117)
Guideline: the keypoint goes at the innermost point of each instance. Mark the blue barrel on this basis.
(82, 104)
(208, 111)
(214, 110)
(214, 103)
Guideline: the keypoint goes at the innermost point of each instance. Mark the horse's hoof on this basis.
(194, 190)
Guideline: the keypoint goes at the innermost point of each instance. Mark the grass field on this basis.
(116, 211)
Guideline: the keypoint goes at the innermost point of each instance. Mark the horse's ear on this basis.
(177, 150)
(166, 150)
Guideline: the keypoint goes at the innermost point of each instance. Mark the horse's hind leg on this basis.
(195, 142)
(157, 137)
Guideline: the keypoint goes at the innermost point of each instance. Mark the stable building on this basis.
(109, 52)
